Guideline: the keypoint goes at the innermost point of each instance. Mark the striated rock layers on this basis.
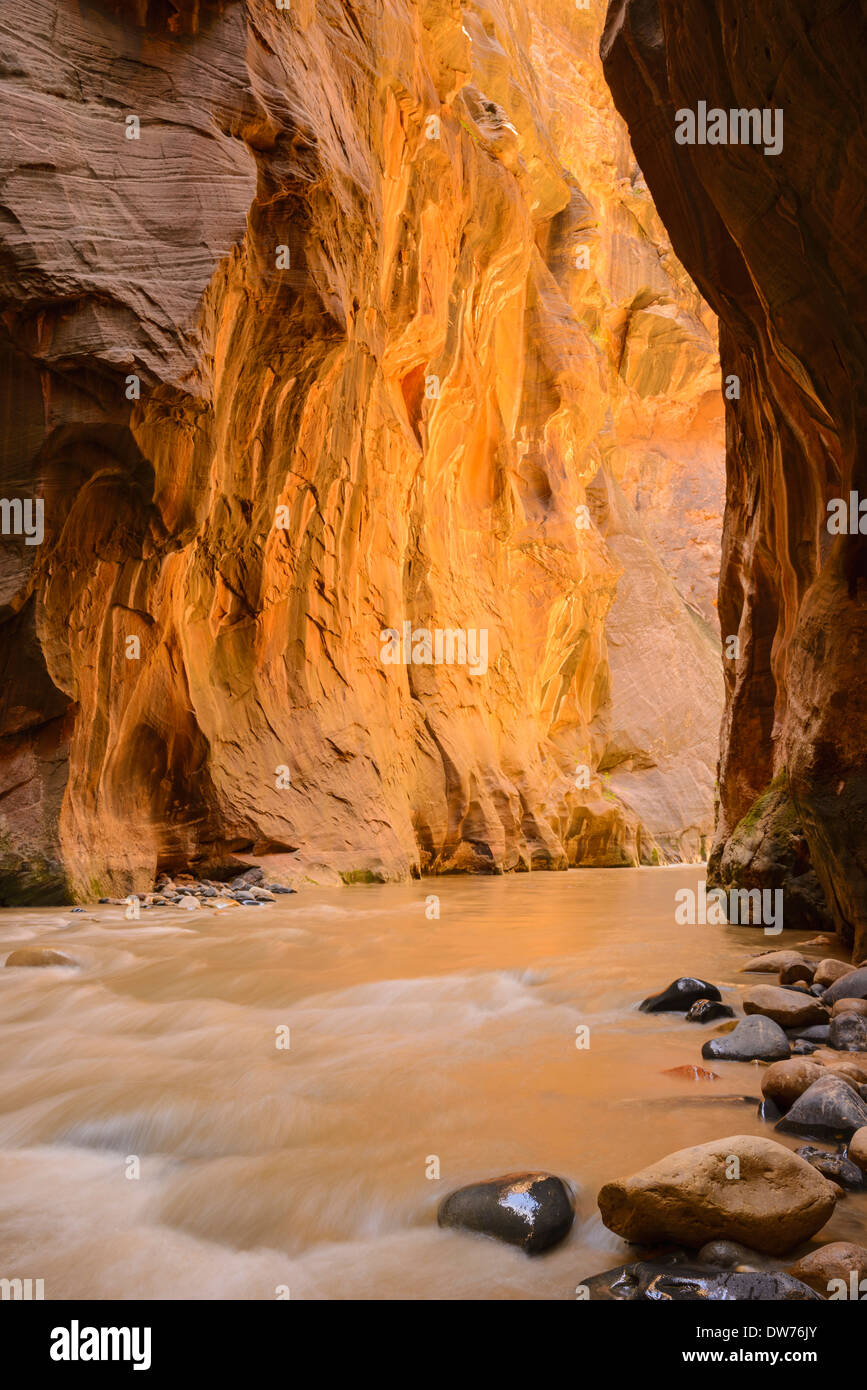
(776, 243)
(316, 323)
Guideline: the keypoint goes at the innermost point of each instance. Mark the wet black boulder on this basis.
(649, 1281)
(816, 1033)
(706, 1010)
(835, 1167)
(829, 1109)
(679, 996)
(851, 986)
(848, 1033)
(532, 1210)
(755, 1039)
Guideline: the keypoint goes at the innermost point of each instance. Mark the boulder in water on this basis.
(816, 1033)
(784, 1082)
(828, 1109)
(857, 1150)
(741, 1188)
(835, 1261)
(849, 1006)
(828, 971)
(848, 1033)
(835, 1167)
(754, 1039)
(663, 1283)
(853, 985)
(798, 972)
(706, 1010)
(772, 962)
(532, 1210)
(679, 996)
(789, 1008)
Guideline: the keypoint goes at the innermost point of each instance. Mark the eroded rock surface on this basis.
(317, 322)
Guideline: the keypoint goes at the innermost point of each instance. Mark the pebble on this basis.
(729, 1254)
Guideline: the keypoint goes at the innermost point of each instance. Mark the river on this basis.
(414, 1043)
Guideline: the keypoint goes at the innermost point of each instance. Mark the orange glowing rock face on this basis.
(690, 1073)
(363, 323)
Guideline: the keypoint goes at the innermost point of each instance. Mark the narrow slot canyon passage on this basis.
(431, 621)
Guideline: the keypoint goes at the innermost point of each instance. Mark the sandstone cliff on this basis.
(319, 321)
(776, 243)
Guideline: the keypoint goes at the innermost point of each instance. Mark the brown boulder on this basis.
(797, 972)
(776, 1200)
(852, 1072)
(783, 1082)
(784, 1006)
(772, 962)
(857, 1150)
(835, 1261)
(849, 1006)
(827, 971)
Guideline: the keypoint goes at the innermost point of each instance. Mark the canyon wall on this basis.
(776, 243)
(317, 322)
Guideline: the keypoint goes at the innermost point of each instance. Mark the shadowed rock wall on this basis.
(776, 244)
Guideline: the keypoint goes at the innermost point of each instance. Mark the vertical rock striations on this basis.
(317, 323)
(776, 244)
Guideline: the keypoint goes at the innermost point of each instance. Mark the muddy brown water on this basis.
(411, 1039)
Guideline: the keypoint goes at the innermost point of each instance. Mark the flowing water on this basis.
(266, 1168)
